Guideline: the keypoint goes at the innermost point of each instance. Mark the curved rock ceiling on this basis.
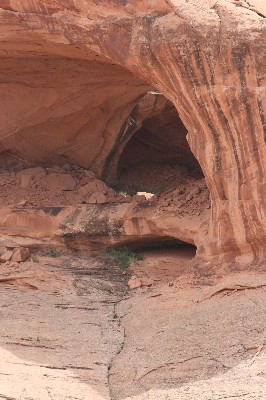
(72, 72)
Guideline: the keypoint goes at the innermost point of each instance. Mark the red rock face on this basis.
(72, 72)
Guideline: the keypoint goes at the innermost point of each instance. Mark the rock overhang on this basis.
(207, 58)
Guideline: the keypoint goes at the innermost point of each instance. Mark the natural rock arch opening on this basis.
(59, 55)
(155, 155)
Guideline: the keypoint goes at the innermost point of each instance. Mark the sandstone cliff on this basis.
(72, 72)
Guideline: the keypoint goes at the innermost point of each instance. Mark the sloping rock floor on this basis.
(71, 329)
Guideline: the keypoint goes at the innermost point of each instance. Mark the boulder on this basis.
(134, 283)
(6, 256)
(20, 254)
(29, 176)
(60, 182)
(93, 186)
(97, 198)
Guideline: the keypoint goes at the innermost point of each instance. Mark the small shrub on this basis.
(124, 256)
(35, 259)
(52, 253)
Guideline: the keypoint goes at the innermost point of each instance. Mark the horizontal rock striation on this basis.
(71, 73)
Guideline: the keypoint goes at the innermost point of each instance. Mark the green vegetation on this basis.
(124, 256)
(52, 253)
(133, 189)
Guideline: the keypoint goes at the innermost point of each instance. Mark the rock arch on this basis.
(207, 58)
(152, 133)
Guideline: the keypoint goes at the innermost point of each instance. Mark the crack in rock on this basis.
(233, 289)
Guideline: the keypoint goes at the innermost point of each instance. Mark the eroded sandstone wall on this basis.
(207, 57)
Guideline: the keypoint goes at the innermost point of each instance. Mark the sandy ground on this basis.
(71, 329)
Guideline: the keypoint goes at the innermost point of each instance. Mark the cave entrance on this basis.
(162, 257)
(160, 243)
(161, 246)
(170, 251)
(157, 156)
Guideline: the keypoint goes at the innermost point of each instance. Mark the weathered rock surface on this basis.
(70, 207)
(200, 342)
(72, 72)
(71, 329)
(59, 332)
(74, 78)
(90, 227)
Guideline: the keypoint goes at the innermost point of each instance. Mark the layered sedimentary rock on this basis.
(71, 73)
(69, 207)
